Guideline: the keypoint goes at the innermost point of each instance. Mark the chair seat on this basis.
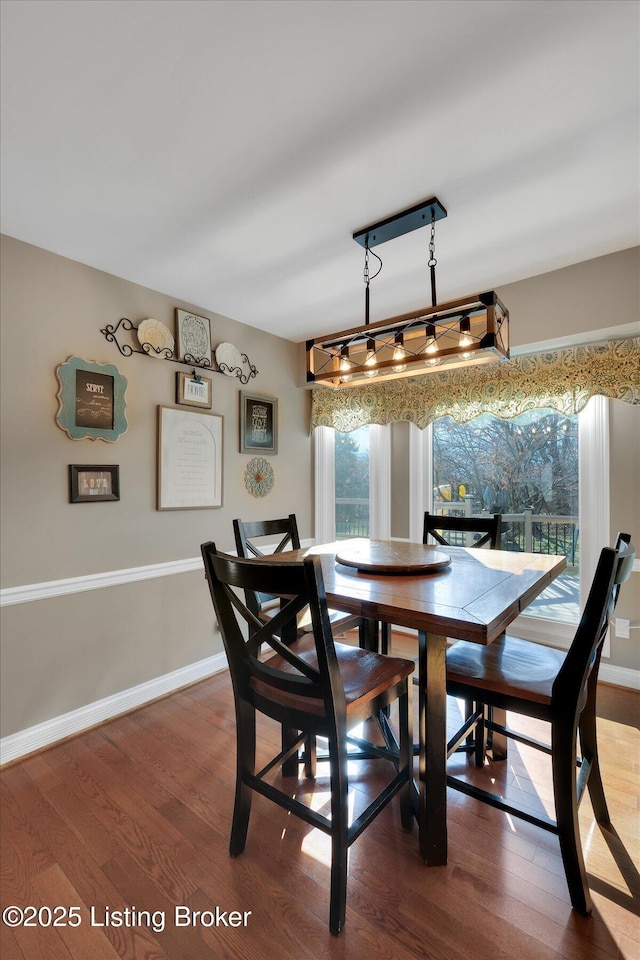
(516, 668)
(364, 674)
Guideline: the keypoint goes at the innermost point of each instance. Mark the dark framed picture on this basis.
(91, 483)
(258, 424)
(194, 338)
(91, 400)
(192, 390)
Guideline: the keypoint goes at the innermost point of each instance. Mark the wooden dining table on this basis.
(474, 596)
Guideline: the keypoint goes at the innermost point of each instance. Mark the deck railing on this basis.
(527, 531)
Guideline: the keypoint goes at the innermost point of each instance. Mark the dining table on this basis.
(458, 593)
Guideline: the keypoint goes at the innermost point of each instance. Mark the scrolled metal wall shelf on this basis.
(165, 353)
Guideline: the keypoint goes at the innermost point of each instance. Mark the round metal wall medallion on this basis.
(258, 477)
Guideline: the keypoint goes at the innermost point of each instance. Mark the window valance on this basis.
(562, 380)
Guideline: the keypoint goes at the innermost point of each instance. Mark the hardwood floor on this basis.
(135, 816)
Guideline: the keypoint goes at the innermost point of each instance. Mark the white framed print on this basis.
(189, 459)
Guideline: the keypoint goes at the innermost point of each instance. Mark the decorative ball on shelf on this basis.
(258, 477)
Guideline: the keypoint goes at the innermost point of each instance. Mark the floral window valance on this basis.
(562, 380)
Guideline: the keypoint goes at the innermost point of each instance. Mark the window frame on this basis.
(593, 509)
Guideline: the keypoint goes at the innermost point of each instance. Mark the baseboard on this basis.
(68, 724)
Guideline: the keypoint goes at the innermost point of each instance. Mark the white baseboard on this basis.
(59, 728)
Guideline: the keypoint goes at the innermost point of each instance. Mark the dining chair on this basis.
(252, 538)
(544, 683)
(311, 685)
(485, 531)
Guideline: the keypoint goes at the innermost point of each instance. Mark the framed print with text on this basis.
(91, 401)
(91, 483)
(189, 459)
(258, 424)
(194, 338)
(192, 390)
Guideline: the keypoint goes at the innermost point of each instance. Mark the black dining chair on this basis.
(485, 531)
(311, 685)
(538, 681)
(252, 537)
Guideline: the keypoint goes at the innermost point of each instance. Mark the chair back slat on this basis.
(246, 534)
(490, 529)
(583, 659)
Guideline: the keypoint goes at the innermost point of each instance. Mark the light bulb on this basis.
(466, 340)
(370, 360)
(345, 367)
(399, 353)
(431, 348)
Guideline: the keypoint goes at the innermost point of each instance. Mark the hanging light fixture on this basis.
(466, 332)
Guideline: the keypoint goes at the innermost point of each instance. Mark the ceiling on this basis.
(224, 152)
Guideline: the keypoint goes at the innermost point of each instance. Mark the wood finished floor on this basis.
(136, 814)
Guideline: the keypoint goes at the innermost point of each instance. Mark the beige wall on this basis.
(586, 298)
(63, 653)
(66, 652)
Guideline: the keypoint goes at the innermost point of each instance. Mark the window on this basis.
(352, 484)
(527, 470)
(593, 495)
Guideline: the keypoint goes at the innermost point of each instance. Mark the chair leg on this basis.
(589, 748)
(290, 766)
(480, 734)
(245, 763)
(405, 760)
(385, 638)
(497, 742)
(310, 757)
(564, 790)
(339, 835)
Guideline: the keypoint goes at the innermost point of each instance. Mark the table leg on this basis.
(371, 634)
(432, 721)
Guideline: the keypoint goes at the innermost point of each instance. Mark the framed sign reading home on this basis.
(91, 400)
(258, 424)
(189, 459)
(192, 390)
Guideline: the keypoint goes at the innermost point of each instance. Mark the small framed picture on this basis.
(258, 424)
(192, 390)
(194, 338)
(89, 483)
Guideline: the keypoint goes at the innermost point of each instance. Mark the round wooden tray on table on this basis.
(383, 556)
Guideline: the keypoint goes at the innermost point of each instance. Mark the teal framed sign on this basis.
(91, 400)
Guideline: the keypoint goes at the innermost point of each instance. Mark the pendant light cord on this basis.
(432, 262)
(368, 278)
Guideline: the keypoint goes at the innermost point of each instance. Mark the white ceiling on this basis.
(224, 152)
